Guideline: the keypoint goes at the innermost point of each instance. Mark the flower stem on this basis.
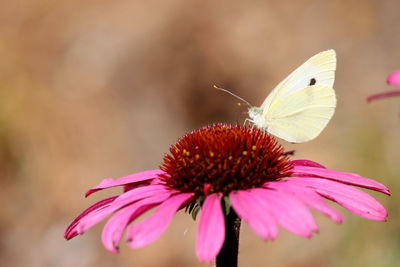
(228, 256)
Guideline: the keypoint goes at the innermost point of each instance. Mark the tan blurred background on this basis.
(95, 89)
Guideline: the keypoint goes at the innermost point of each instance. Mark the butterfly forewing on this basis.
(318, 70)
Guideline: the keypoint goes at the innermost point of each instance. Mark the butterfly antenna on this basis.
(232, 94)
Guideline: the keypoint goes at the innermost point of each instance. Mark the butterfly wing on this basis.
(318, 70)
(301, 115)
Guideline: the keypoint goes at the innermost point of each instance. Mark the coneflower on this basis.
(227, 173)
(392, 79)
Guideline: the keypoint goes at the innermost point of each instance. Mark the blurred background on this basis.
(95, 89)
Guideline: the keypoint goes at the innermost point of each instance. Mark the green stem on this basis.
(228, 256)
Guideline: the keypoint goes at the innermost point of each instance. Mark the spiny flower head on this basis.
(223, 158)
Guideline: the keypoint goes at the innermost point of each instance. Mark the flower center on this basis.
(223, 158)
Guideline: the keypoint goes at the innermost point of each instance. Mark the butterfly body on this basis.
(257, 118)
(300, 107)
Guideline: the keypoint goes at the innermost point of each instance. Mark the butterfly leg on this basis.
(248, 120)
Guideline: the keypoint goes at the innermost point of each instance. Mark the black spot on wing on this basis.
(312, 81)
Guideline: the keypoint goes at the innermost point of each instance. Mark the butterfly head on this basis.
(255, 114)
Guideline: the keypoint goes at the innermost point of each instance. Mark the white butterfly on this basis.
(300, 107)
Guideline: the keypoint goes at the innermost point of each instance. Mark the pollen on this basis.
(226, 158)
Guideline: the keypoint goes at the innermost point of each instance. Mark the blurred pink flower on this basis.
(221, 169)
(392, 79)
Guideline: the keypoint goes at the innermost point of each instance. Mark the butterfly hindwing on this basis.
(301, 115)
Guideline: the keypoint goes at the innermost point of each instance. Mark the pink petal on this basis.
(383, 95)
(71, 231)
(343, 177)
(248, 206)
(133, 178)
(211, 232)
(121, 201)
(304, 162)
(351, 198)
(140, 193)
(290, 213)
(115, 226)
(394, 78)
(148, 230)
(308, 197)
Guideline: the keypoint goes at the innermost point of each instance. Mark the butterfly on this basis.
(300, 106)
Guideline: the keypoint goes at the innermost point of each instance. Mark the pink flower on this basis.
(392, 79)
(223, 169)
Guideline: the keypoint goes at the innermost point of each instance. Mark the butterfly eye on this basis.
(312, 81)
